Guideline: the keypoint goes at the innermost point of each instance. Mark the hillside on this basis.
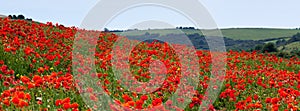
(233, 33)
(290, 47)
(39, 70)
(2, 16)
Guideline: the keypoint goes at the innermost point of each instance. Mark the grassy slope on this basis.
(258, 34)
(234, 33)
(290, 47)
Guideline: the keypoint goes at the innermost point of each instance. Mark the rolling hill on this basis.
(233, 33)
(2, 16)
(290, 47)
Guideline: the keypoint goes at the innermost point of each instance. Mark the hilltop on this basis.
(2, 16)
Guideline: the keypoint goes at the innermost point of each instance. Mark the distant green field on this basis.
(290, 47)
(159, 31)
(234, 33)
(258, 34)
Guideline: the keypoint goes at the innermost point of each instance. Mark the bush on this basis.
(269, 47)
(284, 54)
(22, 17)
(258, 47)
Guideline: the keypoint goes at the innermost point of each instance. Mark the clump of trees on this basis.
(272, 47)
(294, 38)
(185, 27)
(283, 41)
(19, 17)
(269, 47)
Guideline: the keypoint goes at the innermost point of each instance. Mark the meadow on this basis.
(38, 72)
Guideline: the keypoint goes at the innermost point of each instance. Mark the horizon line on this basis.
(221, 28)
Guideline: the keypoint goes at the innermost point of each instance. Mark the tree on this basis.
(14, 17)
(106, 30)
(258, 47)
(284, 54)
(9, 16)
(147, 33)
(269, 47)
(21, 17)
(29, 19)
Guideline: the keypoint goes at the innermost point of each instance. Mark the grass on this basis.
(234, 33)
(290, 47)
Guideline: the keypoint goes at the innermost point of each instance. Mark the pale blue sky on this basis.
(226, 13)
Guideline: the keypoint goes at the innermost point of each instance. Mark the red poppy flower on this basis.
(15, 100)
(58, 102)
(39, 102)
(126, 98)
(157, 102)
(27, 96)
(144, 97)
(66, 100)
(23, 103)
(27, 50)
(6, 102)
(274, 100)
(21, 95)
(75, 105)
(67, 106)
(6, 84)
(5, 94)
(139, 104)
(30, 85)
(25, 79)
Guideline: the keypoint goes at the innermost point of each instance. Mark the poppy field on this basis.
(37, 72)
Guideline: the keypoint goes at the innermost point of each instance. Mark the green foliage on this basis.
(106, 30)
(22, 17)
(147, 33)
(258, 47)
(269, 47)
(284, 54)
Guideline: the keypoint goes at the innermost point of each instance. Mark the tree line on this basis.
(20, 17)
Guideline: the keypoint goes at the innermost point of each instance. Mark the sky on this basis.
(226, 13)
